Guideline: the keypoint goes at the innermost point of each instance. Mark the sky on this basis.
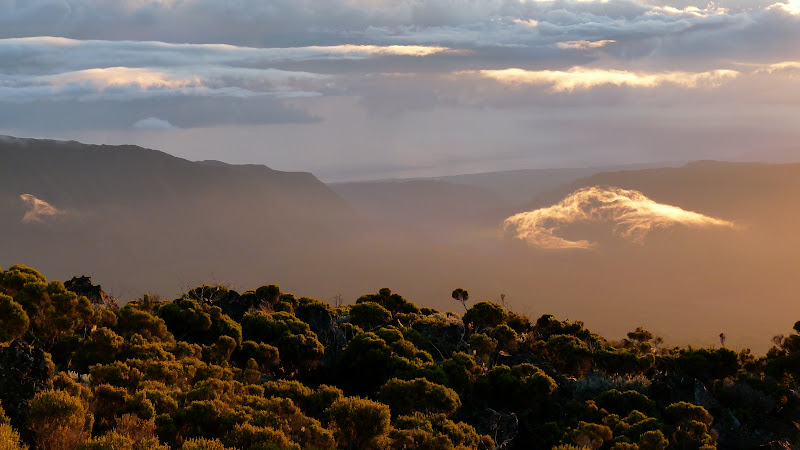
(373, 89)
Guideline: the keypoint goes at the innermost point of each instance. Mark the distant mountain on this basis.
(516, 187)
(144, 211)
(428, 206)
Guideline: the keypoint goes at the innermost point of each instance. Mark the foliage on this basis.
(359, 423)
(14, 321)
(296, 343)
(266, 370)
(419, 394)
(57, 420)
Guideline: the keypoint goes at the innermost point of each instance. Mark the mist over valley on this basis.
(139, 220)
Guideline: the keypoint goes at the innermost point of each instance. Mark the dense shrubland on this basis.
(216, 369)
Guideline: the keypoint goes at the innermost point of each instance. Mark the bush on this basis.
(58, 420)
(359, 423)
(419, 394)
(14, 321)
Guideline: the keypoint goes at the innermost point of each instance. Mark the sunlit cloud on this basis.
(129, 83)
(37, 210)
(632, 214)
(368, 50)
(780, 67)
(587, 78)
(689, 11)
(584, 45)
(530, 23)
(62, 54)
(102, 79)
(57, 69)
(791, 7)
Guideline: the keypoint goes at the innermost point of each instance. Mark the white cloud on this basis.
(153, 123)
(632, 214)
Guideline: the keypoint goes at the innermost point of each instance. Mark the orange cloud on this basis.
(633, 214)
(38, 209)
(587, 78)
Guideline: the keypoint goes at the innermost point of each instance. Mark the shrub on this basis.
(359, 423)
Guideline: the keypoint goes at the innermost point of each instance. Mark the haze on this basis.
(545, 150)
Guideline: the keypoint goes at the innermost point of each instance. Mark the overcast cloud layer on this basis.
(357, 89)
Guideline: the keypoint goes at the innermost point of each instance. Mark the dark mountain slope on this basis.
(144, 213)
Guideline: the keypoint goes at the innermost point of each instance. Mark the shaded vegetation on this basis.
(216, 369)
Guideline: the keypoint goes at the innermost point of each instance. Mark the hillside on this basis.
(140, 219)
(151, 216)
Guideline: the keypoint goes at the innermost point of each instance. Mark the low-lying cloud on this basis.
(56, 54)
(153, 123)
(632, 214)
(584, 44)
(128, 83)
(37, 211)
(587, 78)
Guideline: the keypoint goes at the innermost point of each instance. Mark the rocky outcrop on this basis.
(84, 288)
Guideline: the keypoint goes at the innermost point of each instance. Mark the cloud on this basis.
(59, 69)
(587, 78)
(631, 212)
(56, 54)
(127, 83)
(280, 23)
(104, 65)
(786, 66)
(584, 45)
(530, 23)
(791, 7)
(37, 210)
(153, 123)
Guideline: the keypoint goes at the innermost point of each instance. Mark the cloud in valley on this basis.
(631, 213)
(37, 210)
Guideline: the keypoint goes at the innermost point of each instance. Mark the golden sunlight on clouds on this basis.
(632, 213)
(111, 77)
(781, 66)
(587, 78)
(792, 7)
(395, 50)
(693, 11)
(584, 45)
(37, 210)
(530, 23)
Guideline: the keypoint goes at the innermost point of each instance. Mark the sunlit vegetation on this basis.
(216, 369)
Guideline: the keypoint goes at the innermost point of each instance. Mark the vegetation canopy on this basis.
(215, 369)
